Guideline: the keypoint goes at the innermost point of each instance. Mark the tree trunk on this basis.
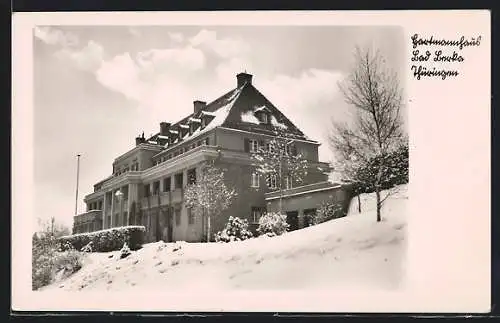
(377, 192)
(208, 228)
(359, 204)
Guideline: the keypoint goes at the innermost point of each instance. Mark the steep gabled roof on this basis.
(235, 109)
(243, 116)
(217, 111)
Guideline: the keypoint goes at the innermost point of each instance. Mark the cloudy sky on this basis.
(97, 88)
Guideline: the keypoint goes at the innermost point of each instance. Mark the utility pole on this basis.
(77, 179)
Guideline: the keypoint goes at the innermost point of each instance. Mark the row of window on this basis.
(271, 181)
(255, 145)
(183, 150)
(94, 206)
(183, 129)
(133, 168)
(167, 186)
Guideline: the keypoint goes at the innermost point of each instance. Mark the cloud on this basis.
(158, 80)
(53, 36)
(89, 58)
(227, 69)
(223, 47)
(134, 32)
(305, 96)
(176, 37)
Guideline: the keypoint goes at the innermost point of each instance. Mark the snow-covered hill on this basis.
(353, 252)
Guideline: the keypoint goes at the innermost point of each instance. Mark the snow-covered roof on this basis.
(184, 126)
(275, 123)
(174, 131)
(152, 142)
(208, 113)
(163, 137)
(249, 117)
(195, 120)
(261, 108)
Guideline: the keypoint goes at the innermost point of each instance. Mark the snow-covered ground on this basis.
(351, 252)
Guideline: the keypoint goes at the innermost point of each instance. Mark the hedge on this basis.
(106, 240)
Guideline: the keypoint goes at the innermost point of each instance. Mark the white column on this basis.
(104, 212)
(112, 208)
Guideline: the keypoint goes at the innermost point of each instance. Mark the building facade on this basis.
(148, 182)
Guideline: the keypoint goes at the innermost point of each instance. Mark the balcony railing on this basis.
(88, 216)
(166, 198)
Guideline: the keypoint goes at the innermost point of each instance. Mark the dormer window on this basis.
(263, 114)
(263, 118)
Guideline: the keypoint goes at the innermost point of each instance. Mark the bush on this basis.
(106, 240)
(236, 230)
(272, 224)
(124, 251)
(48, 261)
(327, 211)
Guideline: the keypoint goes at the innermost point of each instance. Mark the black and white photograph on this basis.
(227, 158)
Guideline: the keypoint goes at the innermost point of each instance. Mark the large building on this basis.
(148, 181)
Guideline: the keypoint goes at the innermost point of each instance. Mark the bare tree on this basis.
(209, 195)
(278, 161)
(374, 96)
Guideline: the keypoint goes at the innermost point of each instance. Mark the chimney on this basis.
(199, 105)
(164, 128)
(243, 78)
(139, 140)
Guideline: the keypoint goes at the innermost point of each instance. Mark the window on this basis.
(178, 216)
(203, 122)
(166, 184)
(309, 215)
(257, 213)
(191, 174)
(146, 190)
(190, 216)
(263, 118)
(255, 180)
(179, 180)
(156, 187)
(272, 181)
(169, 156)
(100, 205)
(288, 182)
(125, 218)
(199, 143)
(207, 141)
(254, 146)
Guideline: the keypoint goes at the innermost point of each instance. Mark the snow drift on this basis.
(350, 252)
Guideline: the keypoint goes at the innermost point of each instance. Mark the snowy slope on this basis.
(351, 252)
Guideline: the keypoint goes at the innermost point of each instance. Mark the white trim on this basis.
(136, 148)
(252, 178)
(306, 192)
(271, 136)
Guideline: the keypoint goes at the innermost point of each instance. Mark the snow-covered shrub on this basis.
(272, 224)
(236, 230)
(125, 251)
(48, 260)
(87, 247)
(106, 240)
(327, 211)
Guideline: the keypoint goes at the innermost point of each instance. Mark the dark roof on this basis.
(245, 99)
